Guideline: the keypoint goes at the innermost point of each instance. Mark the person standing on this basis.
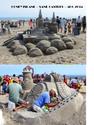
(23, 21)
(84, 23)
(8, 27)
(65, 79)
(58, 22)
(2, 25)
(30, 24)
(69, 27)
(62, 24)
(79, 24)
(65, 28)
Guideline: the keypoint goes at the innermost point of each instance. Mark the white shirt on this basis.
(62, 22)
(79, 20)
(74, 81)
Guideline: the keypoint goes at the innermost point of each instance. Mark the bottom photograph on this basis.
(42, 94)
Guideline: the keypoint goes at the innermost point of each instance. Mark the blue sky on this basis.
(62, 69)
(7, 11)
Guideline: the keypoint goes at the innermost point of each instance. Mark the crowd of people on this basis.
(65, 26)
(5, 81)
(71, 82)
(13, 86)
(71, 26)
(6, 26)
(74, 82)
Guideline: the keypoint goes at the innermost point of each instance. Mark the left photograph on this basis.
(43, 94)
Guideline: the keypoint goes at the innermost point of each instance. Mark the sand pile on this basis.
(68, 113)
(39, 45)
(67, 56)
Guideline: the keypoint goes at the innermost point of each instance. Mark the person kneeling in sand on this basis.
(45, 100)
(14, 91)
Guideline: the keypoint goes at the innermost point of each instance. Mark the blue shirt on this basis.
(43, 99)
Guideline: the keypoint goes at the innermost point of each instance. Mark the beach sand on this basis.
(74, 56)
(76, 118)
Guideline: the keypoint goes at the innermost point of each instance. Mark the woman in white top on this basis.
(62, 24)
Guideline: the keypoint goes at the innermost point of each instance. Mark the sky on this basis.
(39, 69)
(7, 11)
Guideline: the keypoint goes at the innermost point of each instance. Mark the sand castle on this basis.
(69, 111)
(43, 40)
(65, 113)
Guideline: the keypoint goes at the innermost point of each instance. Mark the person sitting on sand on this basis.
(45, 100)
(14, 91)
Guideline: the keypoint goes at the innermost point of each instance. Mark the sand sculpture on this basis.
(27, 78)
(67, 112)
(43, 40)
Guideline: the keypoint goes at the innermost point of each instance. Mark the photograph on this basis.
(43, 78)
(43, 94)
(38, 32)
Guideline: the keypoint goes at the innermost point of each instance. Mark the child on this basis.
(65, 28)
(69, 28)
